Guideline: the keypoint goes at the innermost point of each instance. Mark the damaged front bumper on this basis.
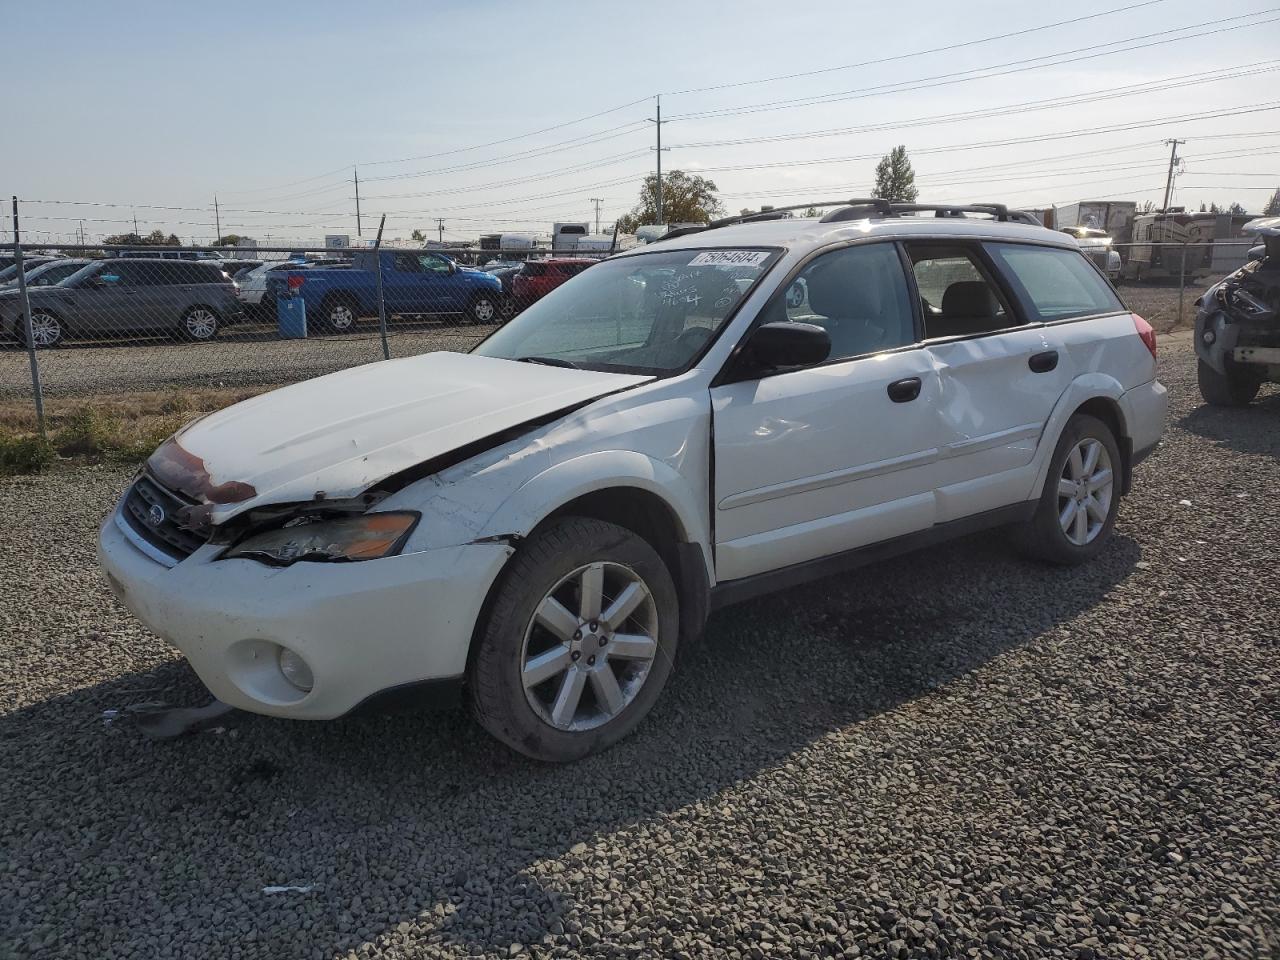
(1238, 320)
(360, 630)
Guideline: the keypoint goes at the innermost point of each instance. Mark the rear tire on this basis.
(339, 315)
(484, 308)
(199, 324)
(1236, 388)
(1077, 509)
(553, 675)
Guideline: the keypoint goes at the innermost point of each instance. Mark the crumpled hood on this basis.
(340, 434)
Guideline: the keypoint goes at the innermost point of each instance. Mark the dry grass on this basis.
(118, 427)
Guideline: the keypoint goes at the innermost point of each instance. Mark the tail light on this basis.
(1146, 333)
(297, 280)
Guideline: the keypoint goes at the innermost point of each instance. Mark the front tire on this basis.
(484, 308)
(46, 329)
(578, 643)
(1235, 388)
(1077, 509)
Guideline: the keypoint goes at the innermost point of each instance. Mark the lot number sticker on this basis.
(730, 258)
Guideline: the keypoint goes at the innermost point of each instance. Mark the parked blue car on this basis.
(414, 283)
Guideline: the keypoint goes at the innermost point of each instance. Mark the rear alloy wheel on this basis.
(578, 643)
(199, 323)
(484, 309)
(340, 317)
(46, 330)
(1077, 509)
(1235, 388)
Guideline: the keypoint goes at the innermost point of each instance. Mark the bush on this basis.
(24, 454)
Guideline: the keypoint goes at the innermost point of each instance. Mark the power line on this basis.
(1027, 106)
(919, 53)
(522, 136)
(982, 73)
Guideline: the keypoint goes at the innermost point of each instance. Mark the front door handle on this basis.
(904, 391)
(1043, 362)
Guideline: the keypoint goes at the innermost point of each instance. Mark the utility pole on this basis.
(440, 229)
(597, 201)
(658, 124)
(135, 223)
(1168, 183)
(217, 221)
(82, 233)
(356, 171)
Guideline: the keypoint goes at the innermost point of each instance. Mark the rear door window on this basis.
(1053, 283)
(957, 296)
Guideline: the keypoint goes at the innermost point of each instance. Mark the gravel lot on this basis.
(955, 754)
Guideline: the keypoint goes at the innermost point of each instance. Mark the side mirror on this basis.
(771, 346)
(1257, 253)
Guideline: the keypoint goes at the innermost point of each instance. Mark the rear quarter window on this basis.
(1054, 283)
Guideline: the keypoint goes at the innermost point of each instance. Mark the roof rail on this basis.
(862, 208)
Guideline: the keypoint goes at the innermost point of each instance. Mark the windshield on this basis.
(651, 313)
(51, 273)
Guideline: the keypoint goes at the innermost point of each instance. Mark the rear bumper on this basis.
(1145, 410)
(364, 630)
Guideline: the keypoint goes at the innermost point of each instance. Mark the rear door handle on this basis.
(1043, 362)
(904, 391)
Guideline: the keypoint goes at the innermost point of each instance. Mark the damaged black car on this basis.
(1237, 332)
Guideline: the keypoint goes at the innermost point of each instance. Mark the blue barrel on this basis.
(291, 314)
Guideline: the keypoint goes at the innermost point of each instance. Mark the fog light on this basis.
(295, 670)
(1208, 336)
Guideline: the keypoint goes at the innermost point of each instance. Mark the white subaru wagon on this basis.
(536, 526)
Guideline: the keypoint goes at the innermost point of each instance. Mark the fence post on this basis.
(36, 390)
(382, 303)
(1182, 284)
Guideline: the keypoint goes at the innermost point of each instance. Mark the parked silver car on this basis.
(125, 295)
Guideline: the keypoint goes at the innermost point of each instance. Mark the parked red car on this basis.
(537, 278)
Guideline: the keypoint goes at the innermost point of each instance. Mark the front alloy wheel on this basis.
(577, 642)
(46, 329)
(585, 661)
(484, 309)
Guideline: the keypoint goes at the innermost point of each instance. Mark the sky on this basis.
(497, 115)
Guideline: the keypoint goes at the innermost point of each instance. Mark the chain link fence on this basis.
(116, 321)
(119, 320)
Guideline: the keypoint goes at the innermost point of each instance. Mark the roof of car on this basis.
(811, 233)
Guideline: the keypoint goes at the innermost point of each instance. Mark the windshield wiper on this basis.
(549, 362)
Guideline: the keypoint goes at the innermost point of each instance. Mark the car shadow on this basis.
(1251, 429)
(420, 824)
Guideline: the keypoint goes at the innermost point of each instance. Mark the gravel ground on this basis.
(955, 754)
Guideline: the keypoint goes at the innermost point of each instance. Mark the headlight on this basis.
(364, 537)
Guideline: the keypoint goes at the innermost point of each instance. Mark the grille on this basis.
(143, 496)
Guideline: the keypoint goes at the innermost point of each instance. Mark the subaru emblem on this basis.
(155, 516)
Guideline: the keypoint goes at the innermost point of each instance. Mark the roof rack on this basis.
(863, 208)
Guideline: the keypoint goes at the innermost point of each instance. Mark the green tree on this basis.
(418, 236)
(1236, 210)
(686, 198)
(1272, 209)
(155, 238)
(812, 212)
(230, 240)
(895, 180)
